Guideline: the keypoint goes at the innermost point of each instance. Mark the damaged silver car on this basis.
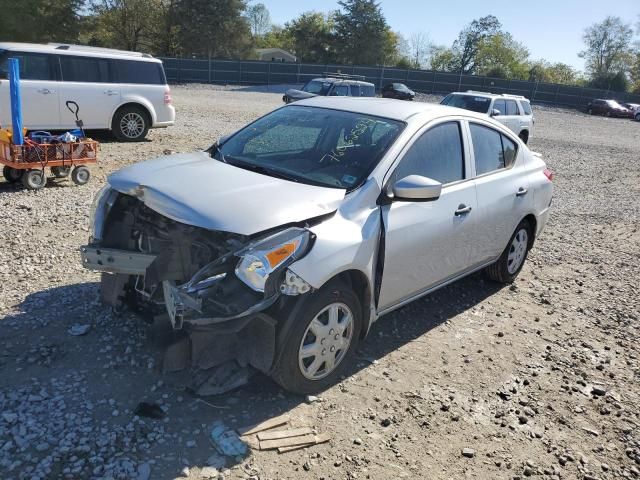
(281, 244)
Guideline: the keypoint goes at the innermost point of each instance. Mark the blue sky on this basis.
(550, 29)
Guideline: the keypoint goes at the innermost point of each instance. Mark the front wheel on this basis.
(322, 340)
(130, 124)
(508, 266)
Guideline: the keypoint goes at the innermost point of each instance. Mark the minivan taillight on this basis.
(549, 174)
(167, 97)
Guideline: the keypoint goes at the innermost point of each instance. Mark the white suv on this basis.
(125, 92)
(513, 111)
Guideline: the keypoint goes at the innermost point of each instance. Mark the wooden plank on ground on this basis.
(266, 425)
(252, 441)
(322, 438)
(286, 442)
(276, 434)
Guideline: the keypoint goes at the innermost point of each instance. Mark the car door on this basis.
(427, 243)
(90, 82)
(502, 188)
(39, 89)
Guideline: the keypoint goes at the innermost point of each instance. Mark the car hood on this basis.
(195, 189)
(294, 94)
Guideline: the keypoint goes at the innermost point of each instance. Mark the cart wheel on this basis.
(34, 179)
(61, 172)
(12, 175)
(80, 175)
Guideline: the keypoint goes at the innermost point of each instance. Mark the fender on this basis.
(135, 99)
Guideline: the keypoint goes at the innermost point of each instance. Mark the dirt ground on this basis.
(539, 379)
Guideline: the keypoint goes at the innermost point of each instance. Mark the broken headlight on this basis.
(102, 203)
(264, 257)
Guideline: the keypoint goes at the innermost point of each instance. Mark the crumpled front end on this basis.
(196, 276)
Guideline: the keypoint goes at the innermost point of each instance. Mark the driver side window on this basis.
(437, 154)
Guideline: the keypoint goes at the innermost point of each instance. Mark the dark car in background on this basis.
(608, 108)
(399, 91)
(332, 85)
(635, 109)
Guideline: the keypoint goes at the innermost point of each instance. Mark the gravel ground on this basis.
(476, 381)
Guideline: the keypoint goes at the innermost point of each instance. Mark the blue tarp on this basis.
(16, 101)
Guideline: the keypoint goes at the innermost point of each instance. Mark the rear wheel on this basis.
(80, 175)
(322, 340)
(524, 136)
(130, 124)
(508, 266)
(12, 175)
(34, 179)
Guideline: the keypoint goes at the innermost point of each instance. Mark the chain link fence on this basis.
(248, 72)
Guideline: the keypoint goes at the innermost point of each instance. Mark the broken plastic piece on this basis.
(226, 441)
(77, 330)
(223, 378)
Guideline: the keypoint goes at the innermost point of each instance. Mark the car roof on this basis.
(386, 107)
(83, 50)
(492, 95)
(342, 80)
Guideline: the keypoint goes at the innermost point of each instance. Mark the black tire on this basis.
(524, 136)
(61, 172)
(607, 114)
(287, 371)
(80, 175)
(12, 175)
(499, 271)
(130, 124)
(34, 179)
(590, 111)
(638, 117)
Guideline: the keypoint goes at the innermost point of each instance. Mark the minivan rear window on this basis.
(85, 69)
(136, 71)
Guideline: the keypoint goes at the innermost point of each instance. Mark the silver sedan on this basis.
(283, 243)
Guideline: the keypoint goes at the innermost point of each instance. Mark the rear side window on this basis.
(512, 108)
(85, 69)
(340, 91)
(367, 91)
(33, 66)
(526, 107)
(500, 106)
(437, 154)
(492, 150)
(355, 90)
(132, 71)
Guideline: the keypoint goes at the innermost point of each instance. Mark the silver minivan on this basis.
(283, 243)
(125, 92)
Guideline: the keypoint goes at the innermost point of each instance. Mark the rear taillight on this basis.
(549, 174)
(167, 97)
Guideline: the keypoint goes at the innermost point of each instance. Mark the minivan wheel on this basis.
(508, 266)
(322, 340)
(130, 124)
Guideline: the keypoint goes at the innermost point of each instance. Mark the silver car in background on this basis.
(282, 244)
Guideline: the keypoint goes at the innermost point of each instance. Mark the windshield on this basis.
(317, 86)
(468, 102)
(312, 145)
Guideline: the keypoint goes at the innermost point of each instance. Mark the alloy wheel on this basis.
(132, 125)
(326, 341)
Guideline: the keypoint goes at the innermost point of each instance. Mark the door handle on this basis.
(521, 192)
(462, 210)
(44, 91)
(110, 92)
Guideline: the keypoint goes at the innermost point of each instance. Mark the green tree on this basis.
(276, 37)
(608, 47)
(128, 24)
(40, 20)
(362, 35)
(501, 56)
(311, 37)
(542, 71)
(443, 59)
(467, 45)
(213, 28)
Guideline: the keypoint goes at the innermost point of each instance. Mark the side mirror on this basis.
(495, 112)
(416, 188)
